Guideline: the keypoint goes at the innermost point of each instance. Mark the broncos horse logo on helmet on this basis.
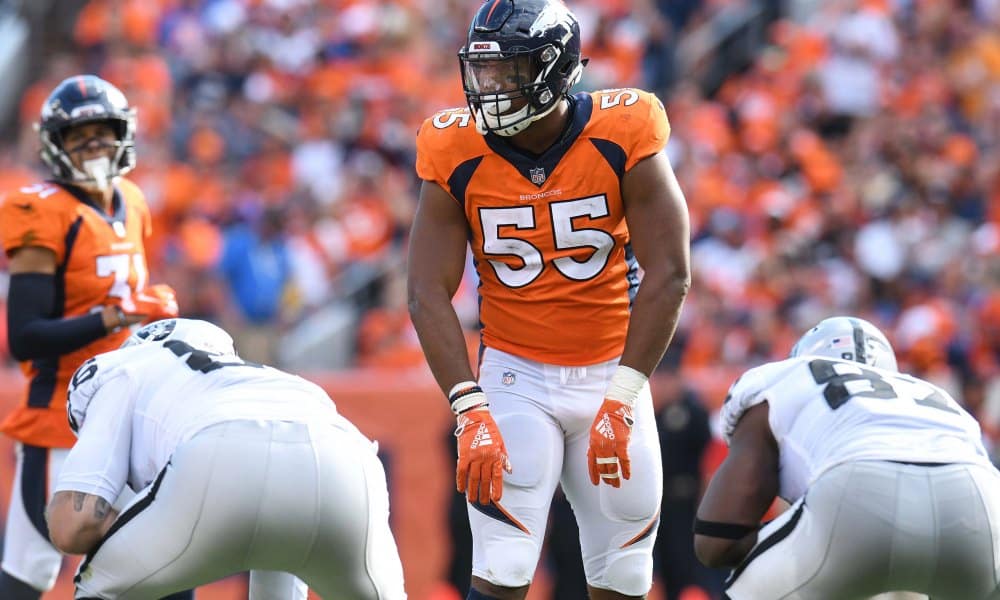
(521, 58)
(76, 101)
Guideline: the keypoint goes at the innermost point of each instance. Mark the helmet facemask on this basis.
(508, 91)
(95, 174)
(81, 100)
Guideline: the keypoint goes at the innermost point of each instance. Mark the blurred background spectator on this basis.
(840, 156)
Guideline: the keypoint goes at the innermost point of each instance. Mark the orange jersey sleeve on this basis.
(440, 151)
(26, 221)
(100, 260)
(651, 137)
(548, 233)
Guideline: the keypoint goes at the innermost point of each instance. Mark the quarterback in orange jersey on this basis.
(562, 198)
(78, 279)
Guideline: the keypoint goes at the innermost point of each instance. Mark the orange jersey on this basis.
(548, 233)
(100, 260)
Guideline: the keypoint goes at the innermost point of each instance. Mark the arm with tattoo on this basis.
(78, 521)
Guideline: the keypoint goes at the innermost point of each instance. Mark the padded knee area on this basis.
(629, 573)
(511, 563)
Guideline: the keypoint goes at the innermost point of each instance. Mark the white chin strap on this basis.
(96, 174)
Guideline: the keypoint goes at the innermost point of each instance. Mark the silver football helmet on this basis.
(200, 335)
(848, 338)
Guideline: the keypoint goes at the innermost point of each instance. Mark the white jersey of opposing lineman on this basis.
(824, 412)
(167, 392)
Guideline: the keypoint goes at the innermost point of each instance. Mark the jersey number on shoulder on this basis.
(42, 190)
(612, 98)
(199, 360)
(845, 381)
(83, 373)
(566, 237)
(120, 266)
(446, 119)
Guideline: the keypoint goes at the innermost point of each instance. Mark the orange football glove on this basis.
(156, 302)
(482, 456)
(608, 449)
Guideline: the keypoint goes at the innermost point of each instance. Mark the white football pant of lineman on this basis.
(254, 495)
(275, 585)
(866, 527)
(28, 553)
(32, 557)
(544, 413)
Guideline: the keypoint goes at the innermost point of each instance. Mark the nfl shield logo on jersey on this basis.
(537, 175)
(507, 378)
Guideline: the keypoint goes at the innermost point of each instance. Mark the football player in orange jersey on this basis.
(78, 280)
(561, 198)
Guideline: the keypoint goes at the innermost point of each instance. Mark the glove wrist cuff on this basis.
(625, 385)
(466, 396)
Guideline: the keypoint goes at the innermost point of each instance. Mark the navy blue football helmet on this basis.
(85, 99)
(521, 58)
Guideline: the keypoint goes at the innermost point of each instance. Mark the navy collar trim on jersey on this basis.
(581, 108)
(117, 202)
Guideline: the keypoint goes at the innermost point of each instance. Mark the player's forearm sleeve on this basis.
(32, 331)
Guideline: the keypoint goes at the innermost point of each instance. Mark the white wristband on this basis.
(625, 385)
(465, 396)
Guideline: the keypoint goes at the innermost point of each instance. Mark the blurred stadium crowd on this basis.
(851, 165)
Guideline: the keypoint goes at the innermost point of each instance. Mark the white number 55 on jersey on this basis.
(565, 235)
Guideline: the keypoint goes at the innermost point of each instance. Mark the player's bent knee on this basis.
(629, 573)
(511, 564)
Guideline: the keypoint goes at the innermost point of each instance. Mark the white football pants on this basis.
(544, 413)
(270, 496)
(869, 527)
(28, 554)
